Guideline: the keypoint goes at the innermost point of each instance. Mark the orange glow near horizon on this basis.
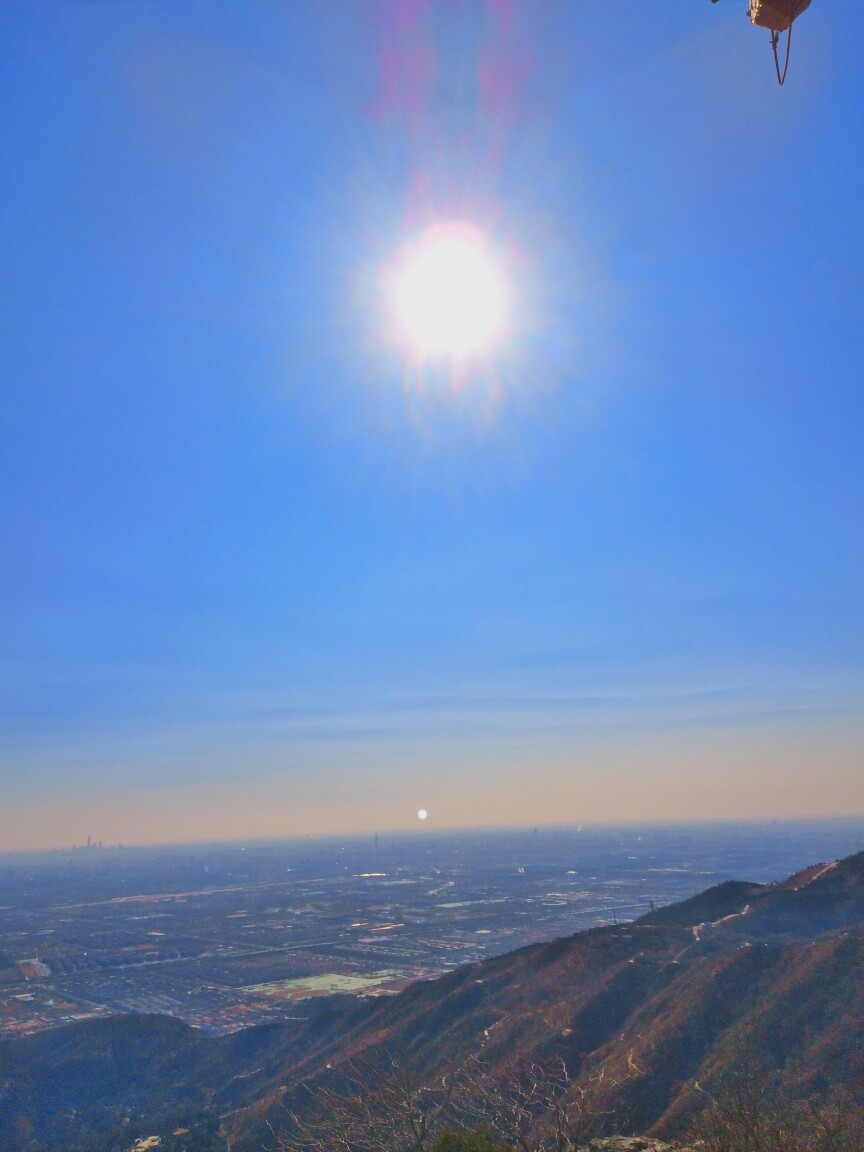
(758, 776)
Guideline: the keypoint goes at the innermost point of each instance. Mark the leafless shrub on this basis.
(748, 1113)
(372, 1106)
(535, 1106)
(382, 1106)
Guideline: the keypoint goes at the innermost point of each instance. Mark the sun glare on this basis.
(449, 296)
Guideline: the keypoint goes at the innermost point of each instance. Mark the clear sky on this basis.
(265, 572)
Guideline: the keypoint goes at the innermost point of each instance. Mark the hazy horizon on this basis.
(383, 837)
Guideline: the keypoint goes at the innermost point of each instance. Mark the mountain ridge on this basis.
(671, 998)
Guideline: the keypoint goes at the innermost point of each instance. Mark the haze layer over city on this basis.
(226, 936)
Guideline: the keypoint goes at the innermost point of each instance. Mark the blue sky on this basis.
(260, 578)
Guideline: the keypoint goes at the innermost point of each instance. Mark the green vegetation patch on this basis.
(324, 984)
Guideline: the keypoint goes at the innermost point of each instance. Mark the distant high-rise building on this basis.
(88, 841)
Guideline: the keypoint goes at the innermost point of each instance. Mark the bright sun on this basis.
(449, 294)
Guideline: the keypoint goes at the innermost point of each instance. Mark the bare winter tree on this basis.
(371, 1106)
(383, 1106)
(537, 1106)
(748, 1113)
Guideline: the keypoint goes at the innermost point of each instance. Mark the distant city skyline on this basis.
(283, 557)
(225, 936)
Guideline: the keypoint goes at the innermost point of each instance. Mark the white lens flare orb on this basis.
(422, 814)
(449, 293)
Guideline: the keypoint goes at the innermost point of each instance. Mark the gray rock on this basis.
(634, 1144)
